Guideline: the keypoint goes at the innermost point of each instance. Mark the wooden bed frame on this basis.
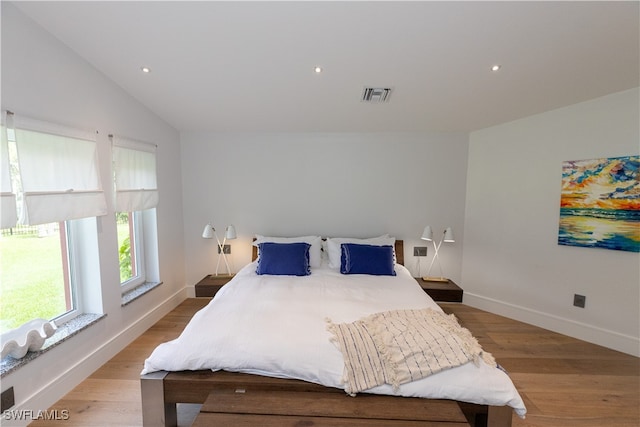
(162, 390)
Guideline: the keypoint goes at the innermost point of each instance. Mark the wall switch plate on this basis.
(226, 248)
(7, 400)
(419, 251)
(579, 300)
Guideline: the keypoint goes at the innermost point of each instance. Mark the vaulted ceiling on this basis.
(249, 66)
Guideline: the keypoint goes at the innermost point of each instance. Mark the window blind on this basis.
(134, 164)
(58, 169)
(8, 212)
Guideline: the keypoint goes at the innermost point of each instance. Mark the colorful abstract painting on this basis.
(600, 204)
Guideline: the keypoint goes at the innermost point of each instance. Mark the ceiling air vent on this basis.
(376, 94)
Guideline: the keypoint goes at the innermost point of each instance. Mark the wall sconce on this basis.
(447, 237)
(229, 234)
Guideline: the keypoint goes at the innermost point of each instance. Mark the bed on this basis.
(279, 333)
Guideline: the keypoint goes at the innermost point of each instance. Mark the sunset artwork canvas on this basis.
(600, 204)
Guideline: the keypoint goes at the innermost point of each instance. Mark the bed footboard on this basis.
(162, 390)
(499, 416)
(155, 411)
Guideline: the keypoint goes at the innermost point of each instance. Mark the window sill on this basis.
(63, 333)
(137, 292)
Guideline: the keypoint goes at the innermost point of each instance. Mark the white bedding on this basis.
(277, 326)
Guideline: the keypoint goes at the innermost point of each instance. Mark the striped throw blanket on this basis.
(396, 347)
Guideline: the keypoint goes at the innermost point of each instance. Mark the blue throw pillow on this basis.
(290, 259)
(367, 259)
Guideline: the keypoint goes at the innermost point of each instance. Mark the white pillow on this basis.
(335, 251)
(340, 240)
(315, 251)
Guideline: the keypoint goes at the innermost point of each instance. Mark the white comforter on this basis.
(277, 326)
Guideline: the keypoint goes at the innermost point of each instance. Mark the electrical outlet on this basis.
(579, 300)
(226, 249)
(7, 400)
(419, 251)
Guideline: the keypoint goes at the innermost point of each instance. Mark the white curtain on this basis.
(8, 213)
(59, 172)
(134, 164)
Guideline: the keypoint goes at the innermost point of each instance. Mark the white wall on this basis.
(512, 262)
(331, 184)
(43, 79)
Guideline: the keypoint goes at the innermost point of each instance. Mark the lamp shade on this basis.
(427, 234)
(448, 235)
(208, 231)
(230, 234)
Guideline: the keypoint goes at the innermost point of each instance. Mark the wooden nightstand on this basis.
(441, 291)
(211, 284)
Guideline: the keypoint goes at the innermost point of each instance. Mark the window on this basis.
(49, 260)
(134, 166)
(35, 277)
(130, 249)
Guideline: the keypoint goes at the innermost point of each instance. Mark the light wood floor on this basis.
(563, 381)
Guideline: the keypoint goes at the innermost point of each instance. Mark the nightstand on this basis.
(441, 291)
(211, 284)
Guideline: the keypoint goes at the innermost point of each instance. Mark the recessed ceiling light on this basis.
(145, 69)
(495, 67)
(318, 70)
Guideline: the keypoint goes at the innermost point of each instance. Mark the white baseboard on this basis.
(606, 338)
(65, 381)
